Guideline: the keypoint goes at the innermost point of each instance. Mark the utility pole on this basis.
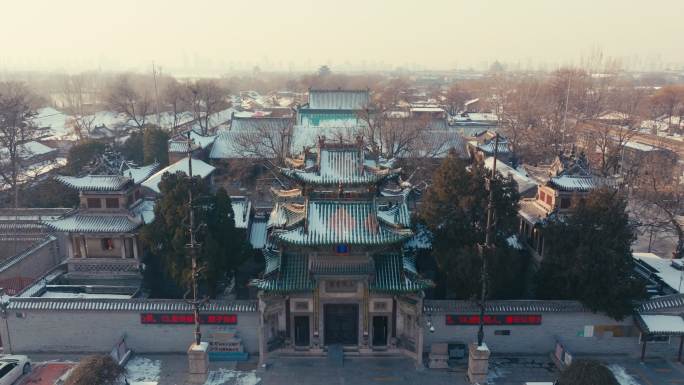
(156, 95)
(193, 247)
(486, 248)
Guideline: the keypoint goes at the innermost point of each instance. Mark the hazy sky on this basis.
(203, 35)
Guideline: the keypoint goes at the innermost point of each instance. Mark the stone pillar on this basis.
(478, 363)
(198, 363)
(420, 331)
(135, 248)
(70, 247)
(262, 333)
(123, 247)
(82, 246)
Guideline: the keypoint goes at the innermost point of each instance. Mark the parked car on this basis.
(12, 367)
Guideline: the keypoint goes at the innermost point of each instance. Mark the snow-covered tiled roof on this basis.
(56, 123)
(94, 224)
(524, 182)
(488, 147)
(129, 305)
(661, 324)
(286, 214)
(573, 183)
(180, 142)
(663, 269)
(395, 215)
(530, 211)
(27, 151)
(345, 165)
(199, 168)
(144, 210)
(338, 99)
(347, 222)
(303, 136)
(95, 182)
(258, 233)
(251, 138)
(140, 174)
(328, 119)
(242, 210)
(508, 306)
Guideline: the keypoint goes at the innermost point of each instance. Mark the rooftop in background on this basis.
(338, 99)
(95, 182)
(199, 168)
(663, 271)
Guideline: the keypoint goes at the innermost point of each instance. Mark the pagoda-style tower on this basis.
(337, 273)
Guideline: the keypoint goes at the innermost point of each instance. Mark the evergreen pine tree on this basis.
(455, 211)
(223, 247)
(588, 257)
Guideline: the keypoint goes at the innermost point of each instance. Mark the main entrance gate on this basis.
(341, 324)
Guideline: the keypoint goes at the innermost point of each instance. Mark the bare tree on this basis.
(657, 187)
(77, 90)
(134, 101)
(206, 97)
(669, 101)
(456, 96)
(17, 109)
(268, 141)
(174, 96)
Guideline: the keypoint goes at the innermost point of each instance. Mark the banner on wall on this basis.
(495, 319)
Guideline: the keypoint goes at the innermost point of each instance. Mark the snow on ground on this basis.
(621, 375)
(143, 371)
(226, 376)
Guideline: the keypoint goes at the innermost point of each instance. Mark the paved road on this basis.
(170, 369)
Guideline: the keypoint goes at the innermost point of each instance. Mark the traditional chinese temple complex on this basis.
(337, 272)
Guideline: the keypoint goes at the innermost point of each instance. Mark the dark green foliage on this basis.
(155, 146)
(132, 149)
(98, 369)
(82, 154)
(587, 372)
(224, 247)
(587, 256)
(455, 211)
(49, 193)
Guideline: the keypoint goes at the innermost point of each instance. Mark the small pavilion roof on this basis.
(342, 165)
(573, 183)
(661, 324)
(96, 182)
(349, 222)
(79, 223)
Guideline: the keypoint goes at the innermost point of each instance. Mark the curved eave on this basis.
(396, 236)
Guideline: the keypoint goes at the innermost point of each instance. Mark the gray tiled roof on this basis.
(674, 301)
(132, 305)
(94, 224)
(395, 273)
(254, 124)
(95, 182)
(338, 99)
(512, 306)
(573, 183)
(292, 276)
